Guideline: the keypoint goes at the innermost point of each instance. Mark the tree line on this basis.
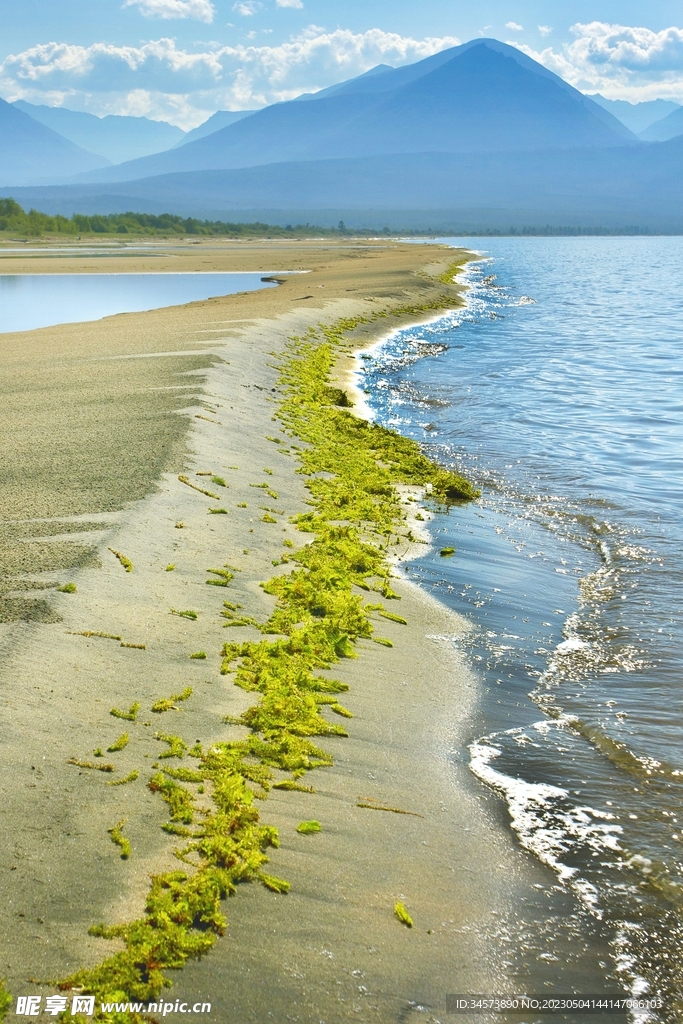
(15, 220)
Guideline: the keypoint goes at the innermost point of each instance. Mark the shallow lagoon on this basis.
(28, 301)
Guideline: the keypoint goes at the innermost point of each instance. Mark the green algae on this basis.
(219, 481)
(68, 588)
(393, 617)
(5, 1000)
(403, 915)
(125, 562)
(291, 784)
(119, 744)
(351, 469)
(309, 828)
(187, 614)
(104, 767)
(188, 483)
(129, 716)
(374, 805)
(170, 567)
(339, 709)
(118, 838)
(446, 552)
(224, 577)
(131, 777)
(198, 655)
(176, 745)
(171, 703)
(453, 269)
(97, 632)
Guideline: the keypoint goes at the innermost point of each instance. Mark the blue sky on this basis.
(180, 60)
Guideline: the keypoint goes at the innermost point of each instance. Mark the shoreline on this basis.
(351, 853)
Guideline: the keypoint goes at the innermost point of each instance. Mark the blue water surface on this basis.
(28, 301)
(559, 390)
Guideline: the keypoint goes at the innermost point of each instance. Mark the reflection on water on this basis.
(28, 301)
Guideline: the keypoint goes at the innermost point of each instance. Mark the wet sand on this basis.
(95, 440)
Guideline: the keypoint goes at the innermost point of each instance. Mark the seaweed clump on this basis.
(5, 1000)
(319, 618)
(403, 915)
(129, 716)
(118, 838)
(123, 559)
(119, 744)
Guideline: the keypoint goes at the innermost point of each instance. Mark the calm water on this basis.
(28, 301)
(560, 391)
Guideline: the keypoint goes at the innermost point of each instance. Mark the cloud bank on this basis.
(157, 79)
(619, 61)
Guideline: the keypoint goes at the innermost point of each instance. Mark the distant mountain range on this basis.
(221, 119)
(478, 136)
(638, 116)
(114, 137)
(668, 128)
(472, 98)
(617, 187)
(30, 151)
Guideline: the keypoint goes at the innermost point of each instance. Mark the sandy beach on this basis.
(95, 439)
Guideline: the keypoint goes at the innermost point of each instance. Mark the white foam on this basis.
(573, 643)
(625, 964)
(545, 821)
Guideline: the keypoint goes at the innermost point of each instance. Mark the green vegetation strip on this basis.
(125, 562)
(319, 617)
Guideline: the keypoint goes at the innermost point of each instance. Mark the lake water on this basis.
(28, 301)
(559, 390)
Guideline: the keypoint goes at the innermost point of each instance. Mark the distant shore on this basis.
(101, 447)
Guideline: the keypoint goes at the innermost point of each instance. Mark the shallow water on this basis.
(560, 391)
(28, 301)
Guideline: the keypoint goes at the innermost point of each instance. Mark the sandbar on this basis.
(94, 442)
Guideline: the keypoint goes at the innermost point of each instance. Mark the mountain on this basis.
(359, 84)
(483, 96)
(114, 137)
(668, 128)
(221, 119)
(637, 116)
(609, 187)
(32, 152)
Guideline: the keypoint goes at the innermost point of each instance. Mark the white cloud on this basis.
(246, 9)
(160, 80)
(202, 10)
(545, 30)
(514, 27)
(289, 3)
(620, 61)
